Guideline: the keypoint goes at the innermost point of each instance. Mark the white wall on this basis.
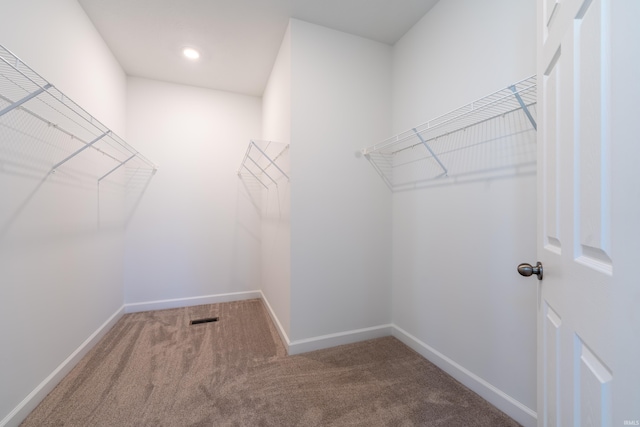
(195, 232)
(340, 215)
(58, 41)
(456, 246)
(60, 273)
(276, 221)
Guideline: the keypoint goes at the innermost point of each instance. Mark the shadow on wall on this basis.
(51, 179)
(61, 170)
(30, 187)
(247, 240)
(263, 211)
(137, 181)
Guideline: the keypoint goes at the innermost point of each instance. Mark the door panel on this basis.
(593, 389)
(575, 237)
(552, 384)
(550, 7)
(551, 156)
(592, 145)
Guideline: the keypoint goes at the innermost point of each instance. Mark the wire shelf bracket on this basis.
(62, 162)
(435, 157)
(524, 107)
(25, 99)
(492, 134)
(115, 169)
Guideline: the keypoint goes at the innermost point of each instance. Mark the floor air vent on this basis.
(205, 320)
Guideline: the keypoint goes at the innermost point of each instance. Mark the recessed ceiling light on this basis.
(191, 53)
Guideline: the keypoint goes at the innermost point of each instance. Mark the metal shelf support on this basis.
(254, 175)
(270, 161)
(57, 165)
(263, 171)
(23, 100)
(115, 169)
(430, 150)
(524, 106)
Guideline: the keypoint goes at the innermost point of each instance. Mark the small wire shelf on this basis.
(264, 167)
(494, 133)
(42, 129)
(262, 163)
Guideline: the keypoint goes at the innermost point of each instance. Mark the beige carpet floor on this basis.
(155, 369)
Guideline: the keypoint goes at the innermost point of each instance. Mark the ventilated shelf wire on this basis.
(55, 104)
(55, 112)
(261, 162)
(492, 133)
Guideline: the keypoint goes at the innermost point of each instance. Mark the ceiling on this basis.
(238, 39)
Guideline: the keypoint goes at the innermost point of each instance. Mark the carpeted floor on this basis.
(154, 369)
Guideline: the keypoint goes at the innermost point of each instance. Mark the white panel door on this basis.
(588, 213)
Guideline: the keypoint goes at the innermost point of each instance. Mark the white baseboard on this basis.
(324, 341)
(332, 340)
(29, 403)
(272, 314)
(191, 301)
(507, 404)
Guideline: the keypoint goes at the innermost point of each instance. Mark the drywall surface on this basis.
(456, 245)
(460, 51)
(60, 267)
(275, 202)
(195, 232)
(58, 40)
(340, 216)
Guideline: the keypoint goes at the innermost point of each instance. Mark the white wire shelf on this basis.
(262, 163)
(494, 133)
(37, 117)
